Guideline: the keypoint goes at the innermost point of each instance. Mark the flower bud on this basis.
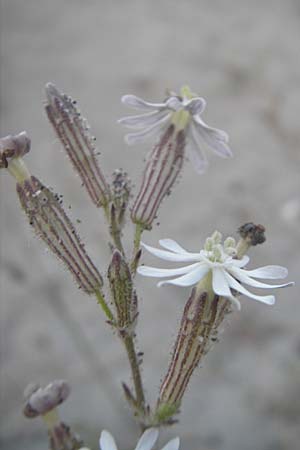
(43, 402)
(40, 401)
(198, 330)
(73, 132)
(162, 169)
(121, 188)
(50, 222)
(122, 293)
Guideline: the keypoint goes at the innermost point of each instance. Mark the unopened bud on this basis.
(162, 170)
(43, 402)
(50, 222)
(198, 330)
(40, 401)
(121, 186)
(12, 150)
(122, 293)
(73, 132)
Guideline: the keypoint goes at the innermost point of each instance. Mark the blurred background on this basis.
(243, 57)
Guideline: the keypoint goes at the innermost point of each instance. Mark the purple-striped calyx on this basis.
(73, 132)
(47, 217)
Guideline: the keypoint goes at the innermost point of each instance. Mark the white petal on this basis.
(169, 256)
(143, 120)
(241, 262)
(107, 442)
(243, 276)
(219, 282)
(195, 153)
(147, 440)
(171, 245)
(269, 272)
(174, 103)
(215, 138)
(190, 278)
(172, 445)
(160, 273)
(196, 106)
(141, 136)
(221, 135)
(138, 103)
(268, 299)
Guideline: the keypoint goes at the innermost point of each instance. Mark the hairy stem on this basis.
(136, 246)
(135, 370)
(104, 306)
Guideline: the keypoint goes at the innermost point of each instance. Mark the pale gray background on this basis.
(243, 57)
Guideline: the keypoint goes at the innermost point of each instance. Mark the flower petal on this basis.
(190, 278)
(195, 154)
(106, 441)
(219, 282)
(215, 138)
(196, 106)
(143, 120)
(171, 245)
(138, 103)
(268, 299)
(169, 256)
(148, 271)
(241, 262)
(174, 103)
(243, 276)
(172, 445)
(147, 440)
(269, 272)
(218, 134)
(143, 135)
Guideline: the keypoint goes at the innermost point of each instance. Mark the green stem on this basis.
(104, 306)
(136, 246)
(135, 370)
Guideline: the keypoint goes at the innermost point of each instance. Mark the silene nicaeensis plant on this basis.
(213, 277)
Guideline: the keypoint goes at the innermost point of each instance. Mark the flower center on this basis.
(216, 252)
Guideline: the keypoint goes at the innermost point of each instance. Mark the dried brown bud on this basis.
(53, 226)
(13, 147)
(198, 330)
(73, 131)
(40, 401)
(122, 293)
(162, 169)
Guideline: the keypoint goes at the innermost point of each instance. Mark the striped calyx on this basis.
(161, 171)
(73, 132)
(50, 222)
(198, 331)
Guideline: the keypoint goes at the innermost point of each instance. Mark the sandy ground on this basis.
(243, 57)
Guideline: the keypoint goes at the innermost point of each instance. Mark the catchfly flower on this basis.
(218, 261)
(146, 441)
(184, 111)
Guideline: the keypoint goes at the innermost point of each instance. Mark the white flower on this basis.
(184, 111)
(228, 273)
(146, 441)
